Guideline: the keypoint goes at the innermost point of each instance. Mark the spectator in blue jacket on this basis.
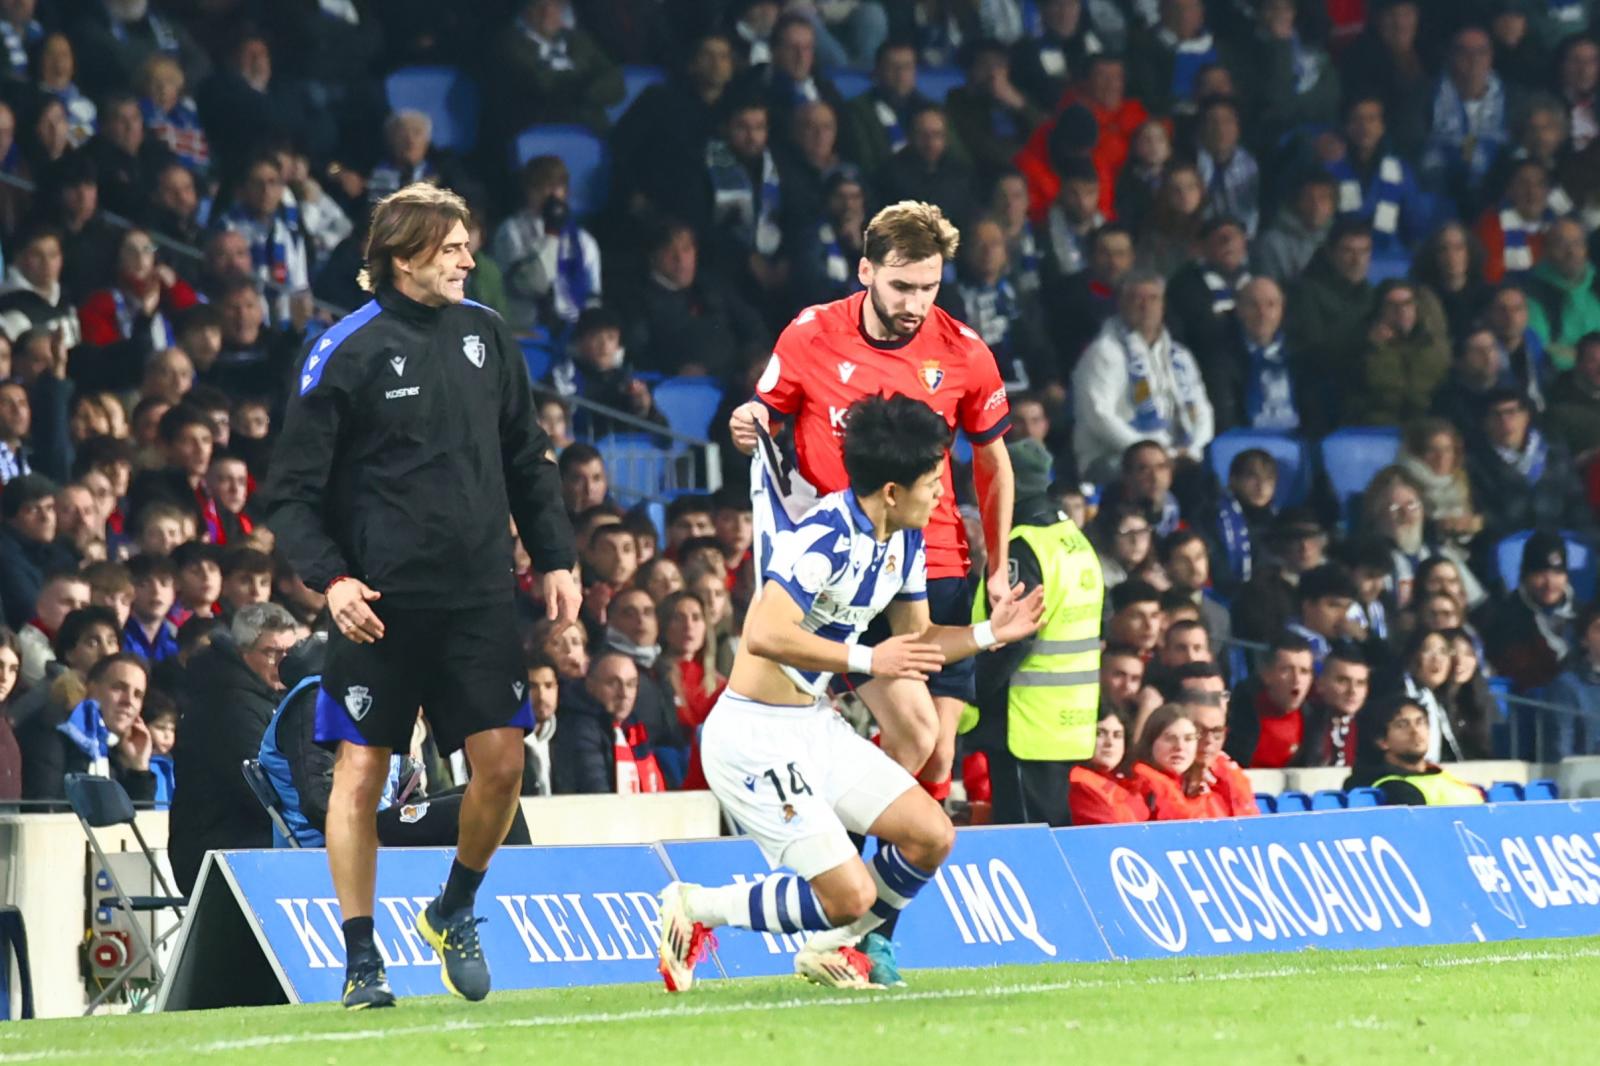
(1577, 687)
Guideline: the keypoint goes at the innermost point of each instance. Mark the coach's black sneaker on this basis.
(367, 986)
(454, 938)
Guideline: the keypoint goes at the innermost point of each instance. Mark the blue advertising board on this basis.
(555, 916)
(588, 915)
(1360, 879)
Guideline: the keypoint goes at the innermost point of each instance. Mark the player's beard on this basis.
(889, 322)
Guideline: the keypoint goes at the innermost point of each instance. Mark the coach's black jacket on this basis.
(409, 438)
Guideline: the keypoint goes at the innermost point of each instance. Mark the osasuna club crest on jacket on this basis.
(473, 348)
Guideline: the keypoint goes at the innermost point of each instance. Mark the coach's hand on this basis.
(743, 425)
(562, 597)
(908, 657)
(347, 602)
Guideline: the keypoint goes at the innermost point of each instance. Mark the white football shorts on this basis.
(795, 779)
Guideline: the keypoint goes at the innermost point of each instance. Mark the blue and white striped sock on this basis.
(781, 903)
(898, 882)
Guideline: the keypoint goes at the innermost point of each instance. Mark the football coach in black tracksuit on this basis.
(409, 443)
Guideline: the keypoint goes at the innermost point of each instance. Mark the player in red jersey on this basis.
(892, 339)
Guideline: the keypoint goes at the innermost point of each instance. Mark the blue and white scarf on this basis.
(1026, 273)
(1441, 732)
(277, 251)
(1170, 517)
(161, 335)
(1540, 369)
(1235, 534)
(889, 119)
(1517, 253)
(1232, 188)
(835, 267)
(83, 118)
(1269, 401)
(1188, 57)
(735, 202)
(88, 733)
(1160, 386)
(13, 464)
(388, 177)
(1458, 139)
(1223, 292)
(17, 45)
(1067, 245)
(1320, 645)
(180, 130)
(1530, 461)
(1372, 617)
(162, 766)
(1307, 65)
(1379, 201)
(990, 311)
(572, 270)
(165, 36)
(552, 54)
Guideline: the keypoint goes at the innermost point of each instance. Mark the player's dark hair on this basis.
(893, 440)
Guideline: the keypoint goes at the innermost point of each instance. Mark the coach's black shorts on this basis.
(462, 667)
(949, 604)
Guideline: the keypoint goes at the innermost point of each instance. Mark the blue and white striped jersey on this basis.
(833, 566)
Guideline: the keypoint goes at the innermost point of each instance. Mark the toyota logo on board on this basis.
(1148, 900)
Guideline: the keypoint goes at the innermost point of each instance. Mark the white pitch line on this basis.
(556, 1021)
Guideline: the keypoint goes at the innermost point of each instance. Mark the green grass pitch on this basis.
(1533, 1000)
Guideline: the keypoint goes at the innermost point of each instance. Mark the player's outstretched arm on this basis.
(1016, 617)
(774, 631)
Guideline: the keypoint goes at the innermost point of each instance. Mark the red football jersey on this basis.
(825, 361)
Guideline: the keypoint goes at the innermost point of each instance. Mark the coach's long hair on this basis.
(405, 224)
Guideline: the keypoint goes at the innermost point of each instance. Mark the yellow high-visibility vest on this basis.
(1053, 699)
(1442, 789)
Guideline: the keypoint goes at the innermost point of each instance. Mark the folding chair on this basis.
(99, 803)
(267, 796)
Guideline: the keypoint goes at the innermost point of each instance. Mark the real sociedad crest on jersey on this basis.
(472, 347)
(931, 374)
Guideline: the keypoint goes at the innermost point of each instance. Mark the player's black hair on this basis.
(893, 440)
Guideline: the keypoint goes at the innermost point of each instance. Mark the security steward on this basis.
(1394, 737)
(1038, 699)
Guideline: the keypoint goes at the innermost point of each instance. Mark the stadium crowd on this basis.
(1178, 218)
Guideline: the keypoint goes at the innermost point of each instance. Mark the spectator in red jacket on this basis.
(1165, 760)
(122, 325)
(1102, 791)
(688, 658)
(1265, 720)
(1229, 792)
(1117, 118)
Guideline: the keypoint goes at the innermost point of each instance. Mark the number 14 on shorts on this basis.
(796, 781)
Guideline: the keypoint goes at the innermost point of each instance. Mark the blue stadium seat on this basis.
(636, 464)
(1386, 266)
(538, 354)
(1581, 563)
(1267, 802)
(658, 518)
(689, 404)
(1352, 456)
(1292, 802)
(1542, 789)
(850, 83)
(579, 148)
(936, 82)
(635, 80)
(1363, 797)
(1329, 799)
(1294, 480)
(1505, 792)
(445, 95)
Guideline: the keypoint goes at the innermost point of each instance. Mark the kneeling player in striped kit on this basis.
(787, 769)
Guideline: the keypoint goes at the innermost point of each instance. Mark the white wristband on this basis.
(860, 659)
(983, 633)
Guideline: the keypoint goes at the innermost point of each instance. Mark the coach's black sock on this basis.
(461, 890)
(358, 945)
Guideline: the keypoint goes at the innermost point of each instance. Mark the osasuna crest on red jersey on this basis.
(931, 375)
